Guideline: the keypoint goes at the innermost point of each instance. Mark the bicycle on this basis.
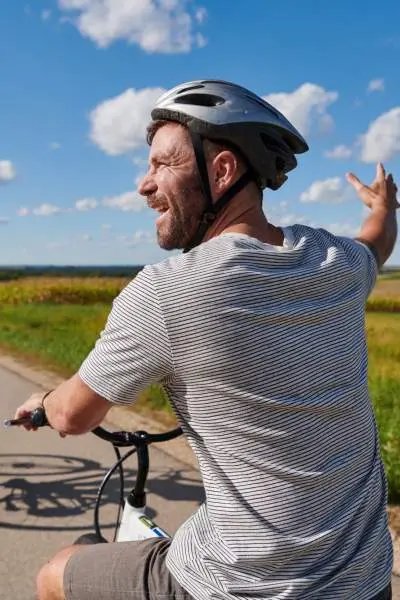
(135, 523)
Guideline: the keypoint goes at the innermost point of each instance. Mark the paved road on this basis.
(48, 487)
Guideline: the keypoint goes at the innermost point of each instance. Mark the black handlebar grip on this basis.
(38, 418)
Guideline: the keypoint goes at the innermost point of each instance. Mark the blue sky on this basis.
(78, 77)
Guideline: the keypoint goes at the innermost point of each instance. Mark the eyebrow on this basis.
(164, 156)
(159, 156)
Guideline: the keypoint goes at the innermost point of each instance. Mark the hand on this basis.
(33, 402)
(380, 194)
(26, 409)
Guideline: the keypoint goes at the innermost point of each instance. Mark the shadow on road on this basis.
(39, 487)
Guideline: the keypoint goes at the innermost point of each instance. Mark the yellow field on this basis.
(90, 290)
(61, 290)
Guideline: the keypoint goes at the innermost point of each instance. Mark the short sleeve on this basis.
(133, 350)
(370, 265)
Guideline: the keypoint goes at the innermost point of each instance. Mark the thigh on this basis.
(122, 571)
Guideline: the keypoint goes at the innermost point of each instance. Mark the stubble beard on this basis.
(183, 218)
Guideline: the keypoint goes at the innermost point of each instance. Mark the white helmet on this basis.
(226, 112)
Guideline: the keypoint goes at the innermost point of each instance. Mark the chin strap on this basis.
(212, 210)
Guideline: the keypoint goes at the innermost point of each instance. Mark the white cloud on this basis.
(106, 227)
(119, 124)
(304, 106)
(376, 85)
(3, 220)
(46, 210)
(139, 238)
(139, 161)
(343, 229)
(200, 15)
(156, 26)
(201, 40)
(289, 219)
(339, 152)
(129, 201)
(139, 178)
(7, 171)
(46, 14)
(382, 140)
(23, 212)
(86, 204)
(147, 237)
(55, 146)
(86, 237)
(55, 246)
(327, 191)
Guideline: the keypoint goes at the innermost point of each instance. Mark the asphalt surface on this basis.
(48, 487)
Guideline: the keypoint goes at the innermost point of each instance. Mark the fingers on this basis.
(380, 172)
(390, 180)
(355, 182)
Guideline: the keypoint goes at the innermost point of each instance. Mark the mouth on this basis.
(162, 210)
(158, 206)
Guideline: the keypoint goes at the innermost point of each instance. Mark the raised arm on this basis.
(379, 230)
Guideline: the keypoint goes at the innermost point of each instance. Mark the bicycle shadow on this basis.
(42, 492)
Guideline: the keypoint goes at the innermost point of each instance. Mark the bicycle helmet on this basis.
(221, 111)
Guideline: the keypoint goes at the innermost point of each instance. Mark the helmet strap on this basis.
(212, 210)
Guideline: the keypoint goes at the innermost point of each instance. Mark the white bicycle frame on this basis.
(136, 525)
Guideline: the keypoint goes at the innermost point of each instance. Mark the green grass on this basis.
(60, 336)
(384, 378)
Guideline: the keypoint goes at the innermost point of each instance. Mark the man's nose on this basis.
(147, 186)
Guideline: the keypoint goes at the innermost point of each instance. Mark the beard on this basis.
(177, 226)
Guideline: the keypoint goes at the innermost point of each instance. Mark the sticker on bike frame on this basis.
(151, 525)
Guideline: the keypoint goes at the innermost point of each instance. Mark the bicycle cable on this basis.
(107, 477)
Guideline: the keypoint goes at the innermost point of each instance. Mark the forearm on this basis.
(73, 408)
(380, 230)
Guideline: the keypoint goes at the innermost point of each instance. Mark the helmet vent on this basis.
(200, 99)
(192, 87)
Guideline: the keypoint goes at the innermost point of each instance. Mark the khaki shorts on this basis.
(122, 571)
(129, 571)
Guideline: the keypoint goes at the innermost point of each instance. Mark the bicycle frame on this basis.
(135, 523)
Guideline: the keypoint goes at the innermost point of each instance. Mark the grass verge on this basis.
(59, 337)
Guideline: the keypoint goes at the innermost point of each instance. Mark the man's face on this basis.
(172, 186)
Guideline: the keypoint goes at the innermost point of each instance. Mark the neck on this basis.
(243, 214)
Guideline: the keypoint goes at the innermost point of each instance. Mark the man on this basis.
(257, 334)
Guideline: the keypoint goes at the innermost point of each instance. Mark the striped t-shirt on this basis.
(262, 352)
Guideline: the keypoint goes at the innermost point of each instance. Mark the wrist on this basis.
(383, 210)
(43, 399)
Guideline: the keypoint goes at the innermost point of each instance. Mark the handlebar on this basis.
(139, 439)
(126, 438)
(121, 439)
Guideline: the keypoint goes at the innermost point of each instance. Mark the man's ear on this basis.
(224, 169)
